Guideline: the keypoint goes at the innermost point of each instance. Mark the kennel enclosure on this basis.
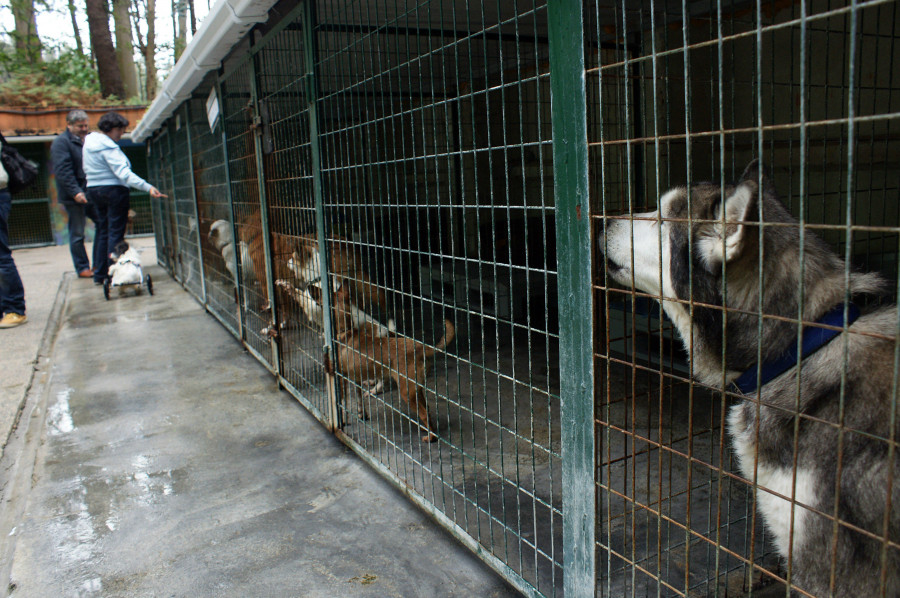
(461, 159)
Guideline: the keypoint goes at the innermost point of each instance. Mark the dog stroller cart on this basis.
(127, 272)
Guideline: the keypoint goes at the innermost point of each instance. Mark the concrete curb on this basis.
(46, 345)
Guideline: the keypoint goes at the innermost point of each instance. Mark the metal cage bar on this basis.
(573, 208)
(186, 263)
(241, 119)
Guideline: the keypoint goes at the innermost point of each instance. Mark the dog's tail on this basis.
(449, 334)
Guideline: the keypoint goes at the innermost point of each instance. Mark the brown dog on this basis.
(366, 352)
(345, 264)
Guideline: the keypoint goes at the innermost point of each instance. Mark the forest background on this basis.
(69, 53)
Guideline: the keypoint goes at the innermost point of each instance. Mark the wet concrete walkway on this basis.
(155, 457)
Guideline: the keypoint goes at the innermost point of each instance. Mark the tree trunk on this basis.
(125, 48)
(28, 44)
(179, 23)
(74, 15)
(193, 17)
(101, 40)
(150, 50)
(148, 47)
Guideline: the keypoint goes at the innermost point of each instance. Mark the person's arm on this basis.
(65, 170)
(120, 167)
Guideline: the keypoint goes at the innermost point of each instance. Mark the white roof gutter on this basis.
(223, 28)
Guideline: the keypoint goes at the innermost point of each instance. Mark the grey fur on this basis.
(824, 559)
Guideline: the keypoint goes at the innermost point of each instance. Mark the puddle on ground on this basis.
(59, 415)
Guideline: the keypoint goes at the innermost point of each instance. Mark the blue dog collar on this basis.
(814, 338)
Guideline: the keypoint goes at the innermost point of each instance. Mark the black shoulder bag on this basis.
(21, 172)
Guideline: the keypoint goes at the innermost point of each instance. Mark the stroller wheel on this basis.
(106, 288)
(149, 284)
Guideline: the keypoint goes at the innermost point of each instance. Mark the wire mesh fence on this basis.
(215, 227)
(709, 491)
(30, 223)
(241, 119)
(436, 168)
(184, 245)
(528, 314)
(163, 156)
(140, 218)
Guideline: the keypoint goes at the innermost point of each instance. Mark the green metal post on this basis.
(169, 202)
(310, 53)
(234, 230)
(573, 234)
(264, 213)
(190, 148)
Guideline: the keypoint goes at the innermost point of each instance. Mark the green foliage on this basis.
(71, 68)
(69, 79)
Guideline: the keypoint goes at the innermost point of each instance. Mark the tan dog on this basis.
(365, 352)
(251, 235)
(345, 266)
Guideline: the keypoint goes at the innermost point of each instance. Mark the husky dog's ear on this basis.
(738, 208)
(752, 173)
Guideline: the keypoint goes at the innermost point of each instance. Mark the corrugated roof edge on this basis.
(223, 28)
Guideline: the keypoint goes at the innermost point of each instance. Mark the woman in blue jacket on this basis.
(109, 177)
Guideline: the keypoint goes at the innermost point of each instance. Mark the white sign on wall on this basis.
(212, 109)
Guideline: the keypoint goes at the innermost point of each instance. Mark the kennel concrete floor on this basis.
(155, 457)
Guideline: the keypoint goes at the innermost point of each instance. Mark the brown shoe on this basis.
(86, 274)
(12, 320)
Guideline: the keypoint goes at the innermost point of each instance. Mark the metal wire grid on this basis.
(29, 224)
(142, 221)
(30, 221)
(681, 94)
(169, 154)
(239, 114)
(185, 243)
(213, 205)
(155, 173)
(437, 173)
(284, 100)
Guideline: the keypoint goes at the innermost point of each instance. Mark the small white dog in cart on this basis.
(126, 270)
(828, 479)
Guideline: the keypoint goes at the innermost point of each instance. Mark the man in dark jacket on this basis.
(71, 185)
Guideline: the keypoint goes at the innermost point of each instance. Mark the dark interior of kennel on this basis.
(420, 137)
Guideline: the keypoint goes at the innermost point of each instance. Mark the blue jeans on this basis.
(12, 293)
(112, 204)
(78, 215)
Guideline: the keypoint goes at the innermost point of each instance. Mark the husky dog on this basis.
(815, 442)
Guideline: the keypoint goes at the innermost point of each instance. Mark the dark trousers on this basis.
(78, 215)
(112, 204)
(12, 293)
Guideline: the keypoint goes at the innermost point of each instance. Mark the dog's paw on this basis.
(373, 387)
(430, 437)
